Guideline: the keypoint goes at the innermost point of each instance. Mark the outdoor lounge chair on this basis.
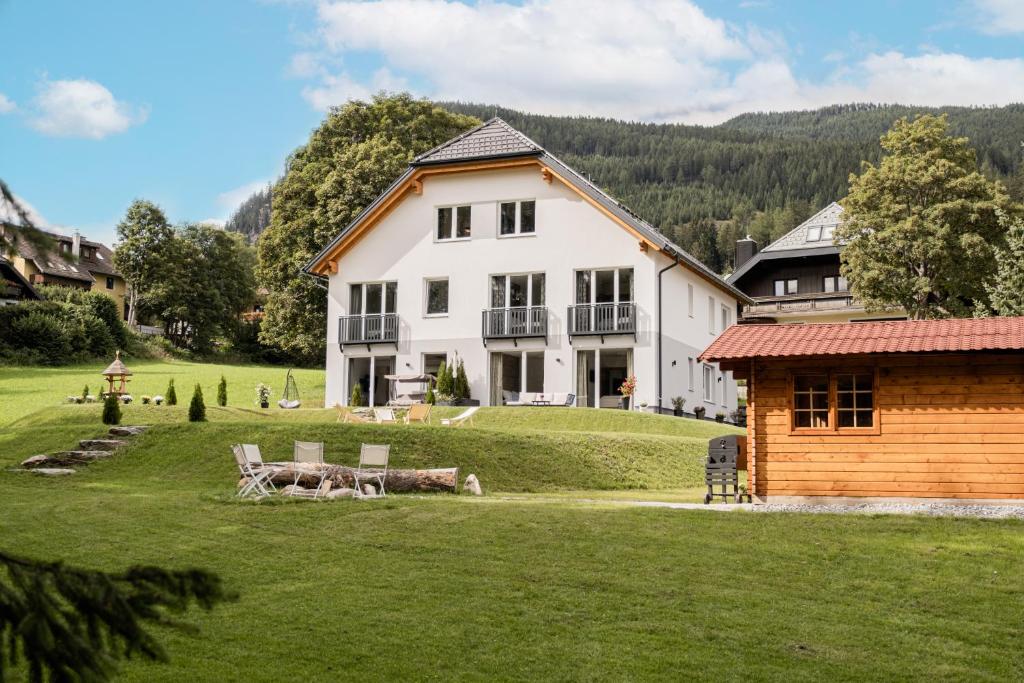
(311, 453)
(465, 417)
(384, 415)
(373, 468)
(250, 466)
(418, 412)
(346, 415)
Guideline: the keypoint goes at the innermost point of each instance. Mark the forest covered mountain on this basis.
(757, 174)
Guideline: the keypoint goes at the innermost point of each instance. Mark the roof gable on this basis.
(814, 232)
(490, 140)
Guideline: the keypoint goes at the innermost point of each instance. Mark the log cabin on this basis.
(917, 409)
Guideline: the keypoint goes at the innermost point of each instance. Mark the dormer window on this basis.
(814, 233)
(517, 218)
(454, 223)
(65, 247)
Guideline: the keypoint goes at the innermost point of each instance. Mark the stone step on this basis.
(65, 458)
(100, 444)
(128, 430)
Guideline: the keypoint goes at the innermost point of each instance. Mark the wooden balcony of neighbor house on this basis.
(810, 302)
(515, 323)
(601, 319)
(374, 328)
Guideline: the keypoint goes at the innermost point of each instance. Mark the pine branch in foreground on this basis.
(73, 624)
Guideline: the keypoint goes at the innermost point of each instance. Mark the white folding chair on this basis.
(309, 452)
(373, 467)
(465, 417)
(250, 466)
(384, 415)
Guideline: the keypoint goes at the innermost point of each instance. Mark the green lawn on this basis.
(514, 585)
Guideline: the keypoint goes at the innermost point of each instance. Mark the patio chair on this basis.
(384, 415)
(465, 417)
(310, 452)
(346, 415)
(418, 412)
(251, 467)
(373, 468)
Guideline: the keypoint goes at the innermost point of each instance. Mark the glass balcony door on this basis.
(513, 298)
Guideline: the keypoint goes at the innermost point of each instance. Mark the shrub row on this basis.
(59, 332)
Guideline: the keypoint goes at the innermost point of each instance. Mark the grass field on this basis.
(528, 585)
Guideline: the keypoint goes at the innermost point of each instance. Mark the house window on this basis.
(711, 314)
(810, 402)
(373, 298)
(838, 401)
(437, 297)
(65, 247)
(689, 374)
(432, 362)
(454, 223)
(689, 299)
(784, 287)
(709, 384)
(855, 406)
(814, 233)
(517, 218)
(110, 282)
(604, 286)
(834, 283)
(726, 318)
(517, 291)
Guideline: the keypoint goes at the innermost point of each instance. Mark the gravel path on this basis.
(931, 509)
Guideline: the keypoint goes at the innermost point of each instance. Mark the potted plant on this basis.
(627, 390)
(677, 405)
(719, 416)
(263, 395)
(699, 411)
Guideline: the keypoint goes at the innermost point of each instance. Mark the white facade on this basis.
(570, 235)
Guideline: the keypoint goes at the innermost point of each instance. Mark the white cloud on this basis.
(1000, 16)
(83, 109)
(230, 200)
(654, 60)
(6, 104)
(9, 215)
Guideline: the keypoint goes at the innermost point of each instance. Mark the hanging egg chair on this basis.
(290, 399)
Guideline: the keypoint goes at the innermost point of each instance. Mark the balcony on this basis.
(801, 304)
(602, 319)
(377, 328)
(520, 322)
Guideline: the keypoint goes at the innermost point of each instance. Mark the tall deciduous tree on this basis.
(143, 251)
(1007, 288)
(349, 160)
(921, 228)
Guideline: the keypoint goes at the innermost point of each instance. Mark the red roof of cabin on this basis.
(836, 339)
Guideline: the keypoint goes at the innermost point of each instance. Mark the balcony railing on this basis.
(515, 323)
(602, 319)
(377, 328)
(811, 302)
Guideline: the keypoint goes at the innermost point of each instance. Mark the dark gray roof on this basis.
(517, 144)
(813, 237)
(495, 138)
(61, 264)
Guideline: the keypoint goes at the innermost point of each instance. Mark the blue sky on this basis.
(194, 104)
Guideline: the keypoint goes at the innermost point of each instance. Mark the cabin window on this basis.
(517, 218)
(855, 406)
(833, 401)
(784, 287)
(834, 283)
(454, 223)
(437, 297)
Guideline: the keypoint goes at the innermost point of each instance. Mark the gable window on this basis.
(110, 282)
(517, 218)
(454, 223)
(835, 283)
(834, 401)
(709, 384)
(437, 297)
(711, 314)
(784, 287)
(814, 233)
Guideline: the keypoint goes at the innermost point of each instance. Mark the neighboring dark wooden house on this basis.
(796, 278)
(899, 409)
(14, 287)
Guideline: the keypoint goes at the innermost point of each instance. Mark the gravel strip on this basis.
(930, 509)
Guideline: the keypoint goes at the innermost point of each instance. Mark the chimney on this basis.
(746, 248)
(76, 244)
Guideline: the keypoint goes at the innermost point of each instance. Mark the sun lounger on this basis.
(465, 417)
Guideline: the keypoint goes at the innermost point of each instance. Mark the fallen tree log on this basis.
(340, 476)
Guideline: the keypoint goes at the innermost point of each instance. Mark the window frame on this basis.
(517, 229)
(689, 298)
(708, 393)
(426, 297)
(836, 279)
(785, 286)
(712, 310)
(363, 284)
(110, 282)
(833, 428)
(453, 227)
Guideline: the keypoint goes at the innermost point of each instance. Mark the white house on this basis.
(490, 250)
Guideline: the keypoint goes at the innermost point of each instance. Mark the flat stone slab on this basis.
(52, 471)
(65, 458)
(127, 430)
(100, 444)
